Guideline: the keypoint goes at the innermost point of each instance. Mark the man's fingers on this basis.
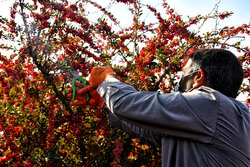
(81, 97)
(77, 96)
(78, 84)
(78, 103)
(84, 90)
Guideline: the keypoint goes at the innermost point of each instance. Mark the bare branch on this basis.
(215, 6)
(157, 83)
(43, 70)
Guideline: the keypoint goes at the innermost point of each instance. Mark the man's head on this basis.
(216, 68)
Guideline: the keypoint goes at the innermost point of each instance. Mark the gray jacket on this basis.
(202, 127)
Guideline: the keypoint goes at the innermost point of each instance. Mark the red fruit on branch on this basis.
(75, 65)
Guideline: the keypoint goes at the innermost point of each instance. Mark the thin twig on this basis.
(157, 83)
(199, 28)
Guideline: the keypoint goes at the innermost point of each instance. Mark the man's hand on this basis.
(81, 97)
(98, 74)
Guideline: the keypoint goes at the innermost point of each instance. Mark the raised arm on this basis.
(168, 114)
(146, 136)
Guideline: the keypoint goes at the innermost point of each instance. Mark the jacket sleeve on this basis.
(188, 115)
(145, 136)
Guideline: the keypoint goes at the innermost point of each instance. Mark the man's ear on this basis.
(199, 79)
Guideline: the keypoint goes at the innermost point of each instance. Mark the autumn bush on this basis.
(43, 39)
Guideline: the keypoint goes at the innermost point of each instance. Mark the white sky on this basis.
(183, 7)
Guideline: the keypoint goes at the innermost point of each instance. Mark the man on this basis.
(200, 125)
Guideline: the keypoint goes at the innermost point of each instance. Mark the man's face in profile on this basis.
(187, 80)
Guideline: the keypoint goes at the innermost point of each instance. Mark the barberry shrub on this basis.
(43, 39)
